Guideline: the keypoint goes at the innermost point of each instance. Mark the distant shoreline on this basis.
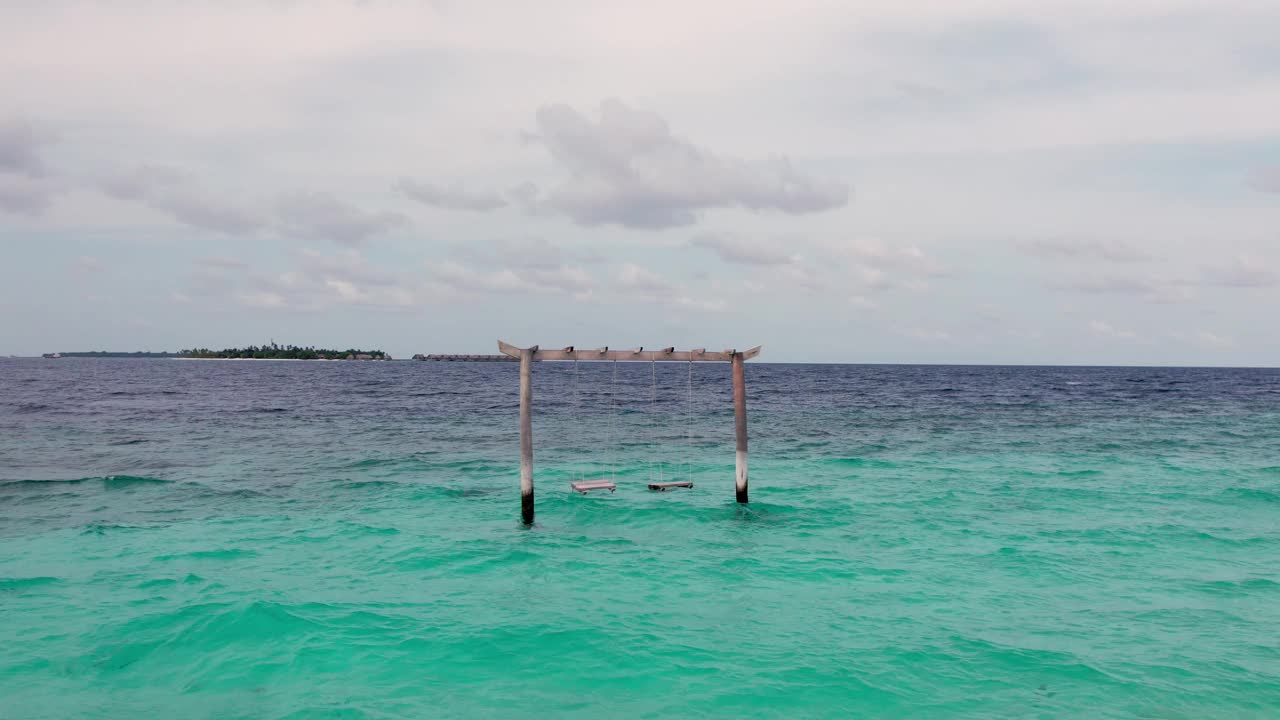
(274, 359)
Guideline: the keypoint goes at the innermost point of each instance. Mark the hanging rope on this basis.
(577, 421)
(653, 424)
(688, 465)
(613, 421)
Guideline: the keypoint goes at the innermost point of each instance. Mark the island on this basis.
(109, 354)
(282, 352)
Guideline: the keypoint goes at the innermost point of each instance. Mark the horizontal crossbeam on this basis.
(632, 355)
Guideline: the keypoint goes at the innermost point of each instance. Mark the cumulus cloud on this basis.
(175, 193)
(321, 215)
(457, 197)
(525, 252)
(743, 250)
(466, 280)
(300, 214)
(88, 265)
(26, 187)
(222, 263)
(20, 148)
(1118, 251)
(320, 281)
(634, 282)
(1242, 272)
(1109, 331)
(1204, 338)
(23, 195)
(881, 255)
(628, 169)
(1109, 285)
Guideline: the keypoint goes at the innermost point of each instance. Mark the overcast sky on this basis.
(995, 181)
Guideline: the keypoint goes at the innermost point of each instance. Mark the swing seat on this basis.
(586, 486)
(664, 486)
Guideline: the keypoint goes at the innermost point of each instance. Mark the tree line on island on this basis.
(284, 352)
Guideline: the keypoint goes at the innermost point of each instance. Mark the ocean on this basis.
(221, 540)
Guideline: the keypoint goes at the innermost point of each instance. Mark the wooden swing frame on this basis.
(530, 355)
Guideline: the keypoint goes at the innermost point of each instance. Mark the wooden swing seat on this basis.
(663, 486)
(585, 486)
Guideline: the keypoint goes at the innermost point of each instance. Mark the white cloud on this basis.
(1109, 331)
(1204, 338)
(88, 265)
(1242, 272)
(1085, 250)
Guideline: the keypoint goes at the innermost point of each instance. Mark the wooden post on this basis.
(526, 435)
(740, 425)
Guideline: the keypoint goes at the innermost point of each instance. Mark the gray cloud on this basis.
(299, 214)
(173, 192)
(25, 195)
(1084, 250)
(20, 146)
(1109, 285)
(628, 169)
(321, 215)
(25, 186)
(1266, 180)
(222, 263)
(454, 197)
(745, 251)
(1242, 272)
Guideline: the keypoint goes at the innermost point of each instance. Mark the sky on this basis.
(981, 181)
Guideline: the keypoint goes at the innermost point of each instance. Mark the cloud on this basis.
(86, 265)
(465, 280)
(24, 195)
(1109, 285)
(1242, 272)
(320, 281)
(456, 197)
(175, 193)
(876, 253)
(1107, 330)
(639, 278)
(222, 263)
(746, 251)
(633, 282)
(1266, 180)
(628, 169)
(928, 334)
(524, 252)
(313, 282)
(300, 214)
(26, 187)
(20, 146)
(1118, 251)
(321, 215)
(1204, 338)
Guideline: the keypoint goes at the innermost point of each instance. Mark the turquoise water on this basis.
(293, 540)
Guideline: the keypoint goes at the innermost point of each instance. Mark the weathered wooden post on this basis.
(526, 434)
(740, 425)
